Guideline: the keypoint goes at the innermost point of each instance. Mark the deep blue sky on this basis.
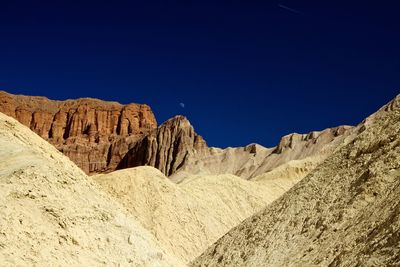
(247, 71)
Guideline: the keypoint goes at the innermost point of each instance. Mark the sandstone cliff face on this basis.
(166, 148)
(94, 134)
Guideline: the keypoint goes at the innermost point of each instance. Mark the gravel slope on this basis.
(344, 213)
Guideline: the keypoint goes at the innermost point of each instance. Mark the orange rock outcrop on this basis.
(94, 134)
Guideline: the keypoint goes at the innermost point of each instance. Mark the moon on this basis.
(182, 105)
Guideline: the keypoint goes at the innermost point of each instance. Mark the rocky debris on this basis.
(94, 134)
(52, 214)
(344, 213)
(166, 148)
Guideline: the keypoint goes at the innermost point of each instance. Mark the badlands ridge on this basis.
(327, 198)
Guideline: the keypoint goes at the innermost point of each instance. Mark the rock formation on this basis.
(346, 212)
(102, 136)
(253, 160)
(166, 148)
(94, 134)
(178, 151)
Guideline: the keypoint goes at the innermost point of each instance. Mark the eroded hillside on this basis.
(52, 214)
(187, 218)
(344, 213)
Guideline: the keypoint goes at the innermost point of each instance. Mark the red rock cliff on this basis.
(94, 134)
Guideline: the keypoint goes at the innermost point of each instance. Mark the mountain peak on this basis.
(167, 148)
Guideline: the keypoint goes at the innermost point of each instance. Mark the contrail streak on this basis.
(290, 9)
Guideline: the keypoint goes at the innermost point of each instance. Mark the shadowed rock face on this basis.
(166, 148)
(94, 134)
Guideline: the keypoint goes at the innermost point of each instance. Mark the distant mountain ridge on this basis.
(102, 136)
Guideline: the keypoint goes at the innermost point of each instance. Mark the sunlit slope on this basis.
(344, 213)
(52, 215)
(189, 217)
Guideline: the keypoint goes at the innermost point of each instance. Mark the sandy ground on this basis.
(51, 214)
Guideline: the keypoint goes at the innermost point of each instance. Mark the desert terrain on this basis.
(160, 196)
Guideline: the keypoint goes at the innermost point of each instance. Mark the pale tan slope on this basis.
(344, 213)
(292, 170)
(253, 160)
(282, 178)
(51, 214)
(188, 217)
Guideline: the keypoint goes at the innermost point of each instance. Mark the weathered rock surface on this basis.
(346, 212)
(179, 152)
(102, 136)
(94, 134)
(253, 160)
(166, 148)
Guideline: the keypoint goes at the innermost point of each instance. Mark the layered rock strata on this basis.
(94, 134)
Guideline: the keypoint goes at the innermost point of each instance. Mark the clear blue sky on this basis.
(247, 71)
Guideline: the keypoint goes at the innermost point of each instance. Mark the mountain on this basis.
(346, 212)
(166, 148)
(97, 134)
(101, 136)
(94, 134)
(188, 216)
(68, 208)
(253, 160)
(179, 152)
(52, 214)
